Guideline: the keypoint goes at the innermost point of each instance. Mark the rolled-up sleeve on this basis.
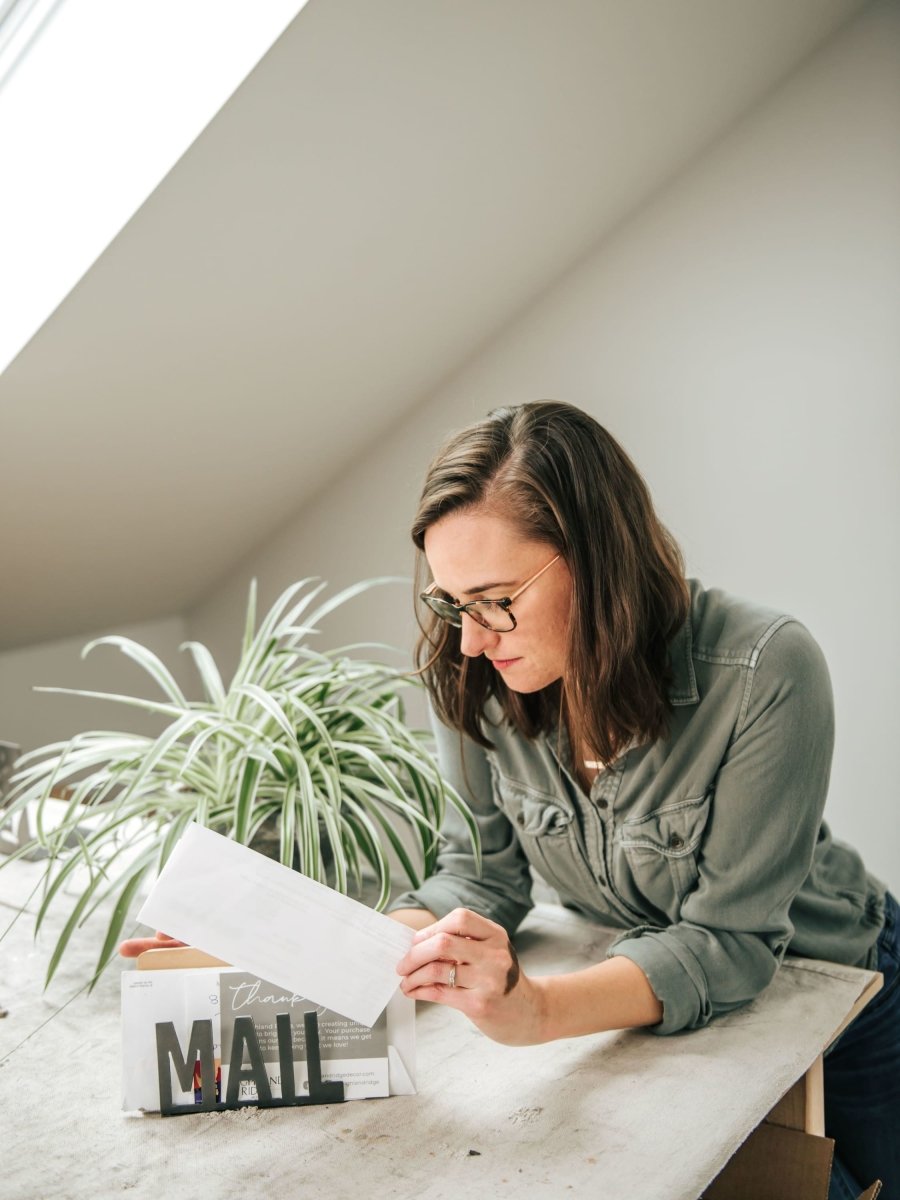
(502, 891)
(767, 805)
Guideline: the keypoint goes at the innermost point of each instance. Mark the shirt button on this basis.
(601, 878)
(520, 818)
(603, 804)
(676, 842)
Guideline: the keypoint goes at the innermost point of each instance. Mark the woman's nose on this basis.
(474, 638)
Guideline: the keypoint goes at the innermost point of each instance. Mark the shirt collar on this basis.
(683, 688)
(682, 691)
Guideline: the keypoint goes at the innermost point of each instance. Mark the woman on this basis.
(658, 751)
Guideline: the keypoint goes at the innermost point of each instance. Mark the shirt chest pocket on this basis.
(659, 853)
(548, 834)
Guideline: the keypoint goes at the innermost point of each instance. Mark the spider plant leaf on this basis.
(352, 648)
(305, 712)
(465, 813)
(309, 826)
(47, 787)
(332, 831)
(269, 705)
(281, 614)
(58, 771)
(162, 753)
(172, 836)
(15, 807)
(349, 593)
(37, 753)
(114, 879)
(145, 658)
(54, 882)
(264, 752)
(198, 742)
(397, 843)
(119, 915)
(69, 928)
(301, 840)
(390, 792)
(413, 761)
(90, 793)
(367, 837)
(230, 736)
(373, 797)
(31, 779)
(351, 853)
(287, 652)
(264, 641)
(411, 816)
(287, 826)
(238, 734)
(428, 797)
(359, 837)
(424, 797)
(358, 749)
(83, 855)
(39, 760)
(263, 813)
(208, 672)
(249, 783)
(155, 706)
(14, 855)
(393, 729)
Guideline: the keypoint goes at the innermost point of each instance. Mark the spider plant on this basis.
(312, 744)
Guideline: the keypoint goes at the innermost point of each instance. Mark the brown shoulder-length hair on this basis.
(559, 476)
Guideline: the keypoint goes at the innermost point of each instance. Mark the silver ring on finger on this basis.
(451, 979)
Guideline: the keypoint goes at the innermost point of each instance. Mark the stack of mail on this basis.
(296, 945)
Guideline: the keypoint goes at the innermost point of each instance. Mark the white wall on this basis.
(739, 335)
(29, 718)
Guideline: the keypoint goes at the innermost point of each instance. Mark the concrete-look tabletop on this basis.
(616, 1114)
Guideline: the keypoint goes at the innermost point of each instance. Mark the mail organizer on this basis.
(197, 1068)
(211, 1038)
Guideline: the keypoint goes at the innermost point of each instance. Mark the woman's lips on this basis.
(502, 663)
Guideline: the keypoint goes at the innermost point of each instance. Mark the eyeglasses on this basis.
(495, 615)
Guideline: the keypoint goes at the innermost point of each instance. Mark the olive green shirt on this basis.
(707, 847)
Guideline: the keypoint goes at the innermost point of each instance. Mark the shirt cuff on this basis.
(443, 892)
(675, 975)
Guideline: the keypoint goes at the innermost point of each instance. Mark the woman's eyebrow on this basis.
(488, 587)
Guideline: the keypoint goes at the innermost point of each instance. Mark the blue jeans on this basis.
(862, 1083)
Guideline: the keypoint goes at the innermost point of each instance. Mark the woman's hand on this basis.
(467, 962)
(135, 946)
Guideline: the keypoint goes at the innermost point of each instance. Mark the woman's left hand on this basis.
(467, 962)
(132, 947)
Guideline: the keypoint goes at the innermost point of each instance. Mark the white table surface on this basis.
(617, 1114)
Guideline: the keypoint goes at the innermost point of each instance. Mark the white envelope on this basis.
(242, 907)
(183, 996)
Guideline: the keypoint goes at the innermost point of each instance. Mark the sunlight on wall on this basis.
(94, 111)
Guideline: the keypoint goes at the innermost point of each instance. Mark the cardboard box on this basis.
(776, 1163)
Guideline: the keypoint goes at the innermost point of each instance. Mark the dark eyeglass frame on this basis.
(453, 613)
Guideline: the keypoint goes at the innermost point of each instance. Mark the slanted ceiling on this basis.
(386, 190)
